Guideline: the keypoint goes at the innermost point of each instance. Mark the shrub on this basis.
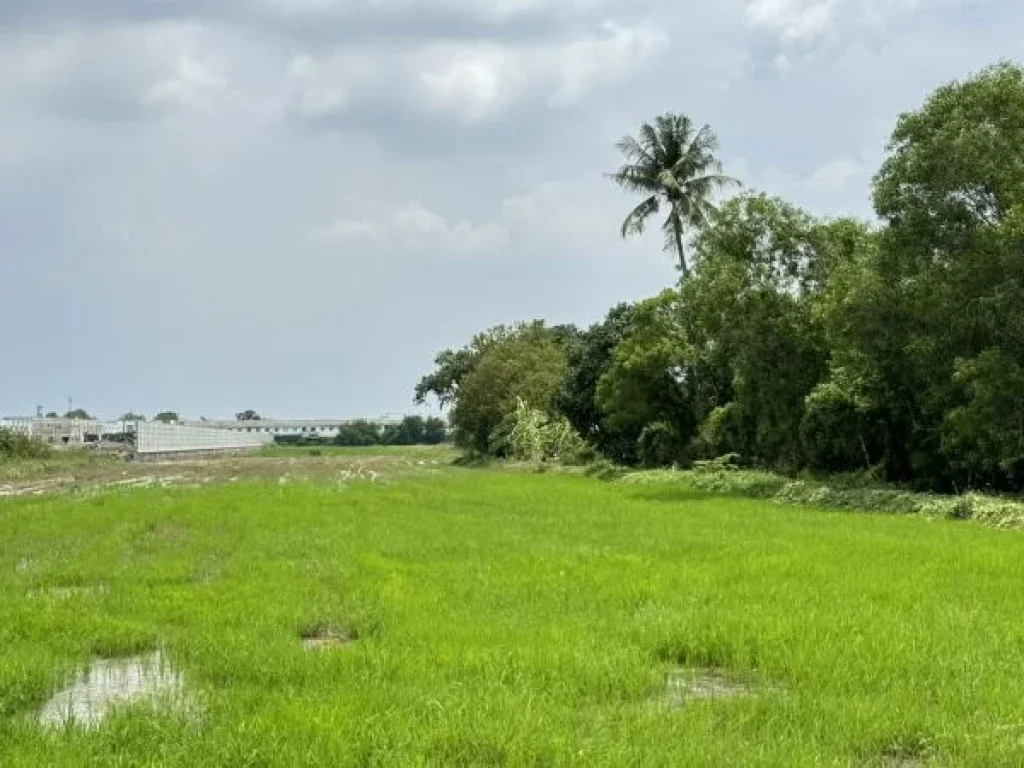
(991, 510)
(16, 446)
(660, 445)
(531, 435)
(603, 469)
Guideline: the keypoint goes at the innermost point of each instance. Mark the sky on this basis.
(293, 205)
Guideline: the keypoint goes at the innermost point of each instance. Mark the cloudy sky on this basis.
(291, 205)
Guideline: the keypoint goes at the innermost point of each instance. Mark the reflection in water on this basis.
(109, 683)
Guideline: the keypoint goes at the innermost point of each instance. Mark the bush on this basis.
(603, 469)
(660, 445)
(15, 446)
(991, 510)
(529, 434)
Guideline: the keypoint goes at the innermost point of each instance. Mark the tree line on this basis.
(892, 348)
(412, 430)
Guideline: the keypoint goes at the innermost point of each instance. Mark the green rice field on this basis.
(467, 617)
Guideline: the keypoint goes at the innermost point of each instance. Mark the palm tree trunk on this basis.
(677, 230)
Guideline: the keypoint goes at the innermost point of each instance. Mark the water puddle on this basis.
(689, 684)
(111, 683)
(69, 593)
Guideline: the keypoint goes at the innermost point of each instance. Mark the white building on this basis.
(55, 431)
(322, 428)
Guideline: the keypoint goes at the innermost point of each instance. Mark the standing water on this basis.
(110, 683)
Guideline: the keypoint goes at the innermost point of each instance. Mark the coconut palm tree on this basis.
(675, 166)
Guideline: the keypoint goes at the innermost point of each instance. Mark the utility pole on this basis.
(70, 403)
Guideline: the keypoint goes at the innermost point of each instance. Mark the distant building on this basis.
(322, 428)
(81, 431)
(56, 431)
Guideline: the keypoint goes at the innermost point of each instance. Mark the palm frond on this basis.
(634, 179)
(713, 181)
(650, 141)
(636, 221)
(634, 150)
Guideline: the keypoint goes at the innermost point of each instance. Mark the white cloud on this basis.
(796, 22)
(838, 186)
(577, 212)
(412, 227)
(192, 81)
(473, 80)
(837, 175)
(170, 66)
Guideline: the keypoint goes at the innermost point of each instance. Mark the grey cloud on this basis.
(161, 180)
(326, 23)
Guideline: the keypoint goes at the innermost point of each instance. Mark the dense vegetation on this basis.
(894, 348)
(412, 430)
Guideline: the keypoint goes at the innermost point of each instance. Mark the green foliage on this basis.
(798, 343)
(660, 445)
(589, 359)
(985, 435)
(360, 432)
(412, 430)
(132, 416)
(713, 477)
(646, 382)
(532, 435)
(415, 430)
(15, 446)
(482, 382)
(78, 413)
(167, 417)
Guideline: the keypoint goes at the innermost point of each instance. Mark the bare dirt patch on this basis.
(107, 684)
(185, 471)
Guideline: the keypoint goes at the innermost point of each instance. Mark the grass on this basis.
(512, 619)
(59, 461)
(439, 452)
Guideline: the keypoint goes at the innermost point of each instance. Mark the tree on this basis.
(53, 415)
(249, 415)
(949, 277)
(435, 431)
(676, 168)
(752, 320)
(644, 388)
(357, 433)
(529, 365)
(130, 416)
(167, 417)
(451, 367)
(408, 432)
(77, 413)
(588, 360)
